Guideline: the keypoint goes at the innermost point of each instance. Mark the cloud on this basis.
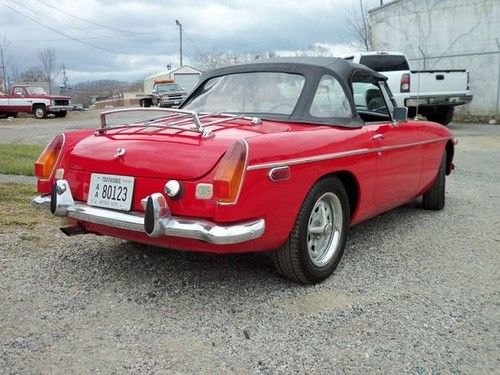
(151, 40)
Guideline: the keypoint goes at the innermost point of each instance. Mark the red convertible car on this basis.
(282, 155)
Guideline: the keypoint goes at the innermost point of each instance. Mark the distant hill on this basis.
(82, 92)
(102, 84)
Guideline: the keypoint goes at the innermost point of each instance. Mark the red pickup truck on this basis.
(33, 99)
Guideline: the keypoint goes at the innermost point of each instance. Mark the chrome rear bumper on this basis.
(157, 221)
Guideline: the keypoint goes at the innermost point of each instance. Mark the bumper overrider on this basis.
(156, 222)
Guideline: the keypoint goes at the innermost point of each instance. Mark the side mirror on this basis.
(400, 114)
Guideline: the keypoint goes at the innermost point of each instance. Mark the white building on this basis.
(186, 76)
(440, 34)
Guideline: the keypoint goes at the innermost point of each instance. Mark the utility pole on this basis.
(65, 78)
(180, 40)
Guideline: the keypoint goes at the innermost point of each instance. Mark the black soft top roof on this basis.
(313, 69)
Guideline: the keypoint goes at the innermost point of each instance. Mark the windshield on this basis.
(256, 92)
(36, 91)
(168, 87)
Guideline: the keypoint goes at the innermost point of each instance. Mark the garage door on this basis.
(186, 80)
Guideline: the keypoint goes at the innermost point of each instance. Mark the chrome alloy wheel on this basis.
(324, 229)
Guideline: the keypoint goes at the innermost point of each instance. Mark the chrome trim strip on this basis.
(337, 155)
(308, 159)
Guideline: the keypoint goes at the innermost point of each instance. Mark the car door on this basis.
(397, 145)
(20, 101)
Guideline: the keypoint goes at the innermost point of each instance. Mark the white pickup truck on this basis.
(430, 93)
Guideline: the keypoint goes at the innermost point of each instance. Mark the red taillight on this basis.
(230, 172)
(405, 82)
(45, 164)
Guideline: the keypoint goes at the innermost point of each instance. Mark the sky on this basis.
(130, 39)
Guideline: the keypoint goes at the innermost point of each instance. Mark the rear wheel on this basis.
(317, 241)
(61, 113)
(145, 103)
(442, 115)
(434, 199)
(40, 112)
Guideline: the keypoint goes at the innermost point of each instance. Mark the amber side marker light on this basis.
(230, 172)
(47, 160)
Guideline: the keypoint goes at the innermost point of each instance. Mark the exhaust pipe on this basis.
(74, 230)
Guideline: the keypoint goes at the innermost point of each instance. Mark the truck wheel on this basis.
(61, 113)
(377, 104)
(145, 103)
(40, 111)
(434, 199)
(412, 112)
(317, 240)
(442, 115)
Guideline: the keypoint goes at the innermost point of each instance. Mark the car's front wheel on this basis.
(40, 112)
(434, 199)
(317, 241)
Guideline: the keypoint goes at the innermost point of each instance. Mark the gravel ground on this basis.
(416, 292)
(17, 179)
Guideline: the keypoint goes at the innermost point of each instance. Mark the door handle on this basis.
(378, 136)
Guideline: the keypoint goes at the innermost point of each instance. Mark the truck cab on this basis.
(166, 93)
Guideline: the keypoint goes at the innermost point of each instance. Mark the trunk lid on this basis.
(162, 152)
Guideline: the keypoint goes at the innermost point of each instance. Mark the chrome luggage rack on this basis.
(182, 118)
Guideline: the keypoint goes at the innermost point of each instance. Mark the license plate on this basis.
(111, 191)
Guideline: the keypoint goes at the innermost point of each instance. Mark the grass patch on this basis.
(19, 159)
(16, 207)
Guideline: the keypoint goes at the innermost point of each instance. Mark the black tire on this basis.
(145, 103)
(61, 114)
(40, 111)
(293, 259)
(442, 115)
(434, 199)
(377, 104)
(412, 112)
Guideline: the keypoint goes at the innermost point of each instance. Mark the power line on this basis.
(172, 40)
(64, 34)
(87, 20)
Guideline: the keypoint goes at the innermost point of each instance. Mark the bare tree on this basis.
(5, 60)
(314, 50)
(14, 72)
(34, 74)
(216, 59)
(359, 25)
(47, 59)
